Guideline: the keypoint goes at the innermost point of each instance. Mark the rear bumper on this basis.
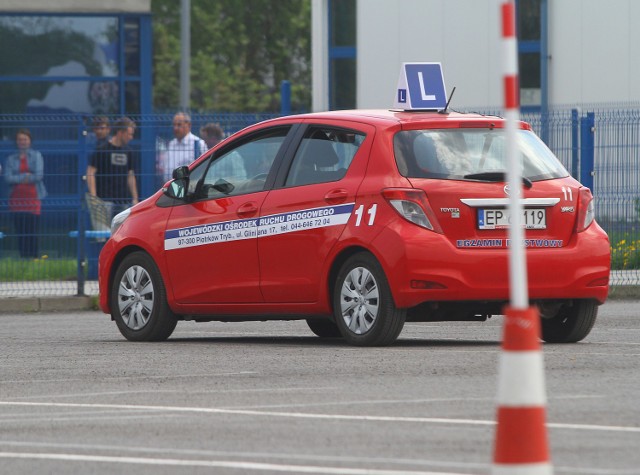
(579, 270)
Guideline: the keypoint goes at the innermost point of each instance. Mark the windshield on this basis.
(458, 154)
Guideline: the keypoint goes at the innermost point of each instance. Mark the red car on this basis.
(356, 221)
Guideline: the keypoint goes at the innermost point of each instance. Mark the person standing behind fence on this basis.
(111, 171)
(24, 173)
(211, 134)
(184, 148)
(101, 129)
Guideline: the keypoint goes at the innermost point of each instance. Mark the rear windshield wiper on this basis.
(496, 176)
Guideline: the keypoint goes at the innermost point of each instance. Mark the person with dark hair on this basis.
(24, 173)
(211, 133)
(101, 129)
(111, 171)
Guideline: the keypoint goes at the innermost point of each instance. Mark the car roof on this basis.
(389, 117)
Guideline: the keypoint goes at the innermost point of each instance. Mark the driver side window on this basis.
(243, 169)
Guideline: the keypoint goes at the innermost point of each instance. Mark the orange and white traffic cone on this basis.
(521, 446)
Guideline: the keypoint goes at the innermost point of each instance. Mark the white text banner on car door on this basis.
(235, 230)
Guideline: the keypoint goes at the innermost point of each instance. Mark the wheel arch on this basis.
(337, 263)
(119, 257)
(385, 320)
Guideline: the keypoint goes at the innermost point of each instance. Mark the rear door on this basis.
(303, 218)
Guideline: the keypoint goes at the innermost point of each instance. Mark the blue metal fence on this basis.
(599, 145)
(68, 244)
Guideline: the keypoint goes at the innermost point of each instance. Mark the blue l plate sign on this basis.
(421, 86)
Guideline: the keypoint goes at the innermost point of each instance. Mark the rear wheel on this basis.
(139, 301)
(571, 324)
(324, 328)
(364, 309)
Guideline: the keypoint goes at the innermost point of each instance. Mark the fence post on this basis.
(82, 162)
(147, 155)
(587, 150)
(575, 144)
(285, 98)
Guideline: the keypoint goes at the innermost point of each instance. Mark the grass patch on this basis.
(17, 270)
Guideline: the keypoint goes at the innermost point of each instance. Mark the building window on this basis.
(529, 51)
(342, 54)
(132, 47)
(70, 64)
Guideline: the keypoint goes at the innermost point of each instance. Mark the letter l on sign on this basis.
(425, 97)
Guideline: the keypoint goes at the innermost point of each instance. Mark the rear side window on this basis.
(458, 154)
(324, 155)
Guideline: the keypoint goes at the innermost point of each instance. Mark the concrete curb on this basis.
(47, 304)
(624, 292)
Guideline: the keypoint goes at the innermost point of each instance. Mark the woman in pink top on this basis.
(24, 173)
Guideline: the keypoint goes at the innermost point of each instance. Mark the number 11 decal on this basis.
(371, 212)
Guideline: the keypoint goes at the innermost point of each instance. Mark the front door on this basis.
(211, 242)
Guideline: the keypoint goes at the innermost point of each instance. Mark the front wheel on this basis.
(364, 310)
(139, 301)
(571, 324)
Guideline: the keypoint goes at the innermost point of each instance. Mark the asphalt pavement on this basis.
(271, 398)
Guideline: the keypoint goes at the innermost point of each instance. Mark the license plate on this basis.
(532, 218)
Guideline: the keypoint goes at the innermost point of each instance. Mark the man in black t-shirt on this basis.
(111, 170)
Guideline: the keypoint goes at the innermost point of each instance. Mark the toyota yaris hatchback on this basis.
(356, 221)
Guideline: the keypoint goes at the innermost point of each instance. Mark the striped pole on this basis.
(517, 257)
(521, 446)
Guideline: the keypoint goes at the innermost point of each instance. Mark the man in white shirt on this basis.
(185, 147)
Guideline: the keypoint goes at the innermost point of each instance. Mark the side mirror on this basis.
(181, 172)
(180, 184)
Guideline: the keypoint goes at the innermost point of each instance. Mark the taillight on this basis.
(413, 205)
(586, 210)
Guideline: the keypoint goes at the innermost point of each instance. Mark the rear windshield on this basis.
(458, 154)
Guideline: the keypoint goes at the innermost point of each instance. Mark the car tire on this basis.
(571, 324)
(324, 328)
(139, 300)
(363, 306)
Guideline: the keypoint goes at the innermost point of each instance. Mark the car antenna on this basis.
(444, 111)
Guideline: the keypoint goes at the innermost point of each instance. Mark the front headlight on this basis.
(118, 219)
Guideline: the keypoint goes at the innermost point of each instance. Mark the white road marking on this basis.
(118, 378)
(214, 464)
(403, 401)
(316, 458)
(303, 457)
(302, 415)
(181, 391)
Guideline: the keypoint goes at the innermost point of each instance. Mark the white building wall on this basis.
(595, 51)
(461, 34)
(594, 48)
